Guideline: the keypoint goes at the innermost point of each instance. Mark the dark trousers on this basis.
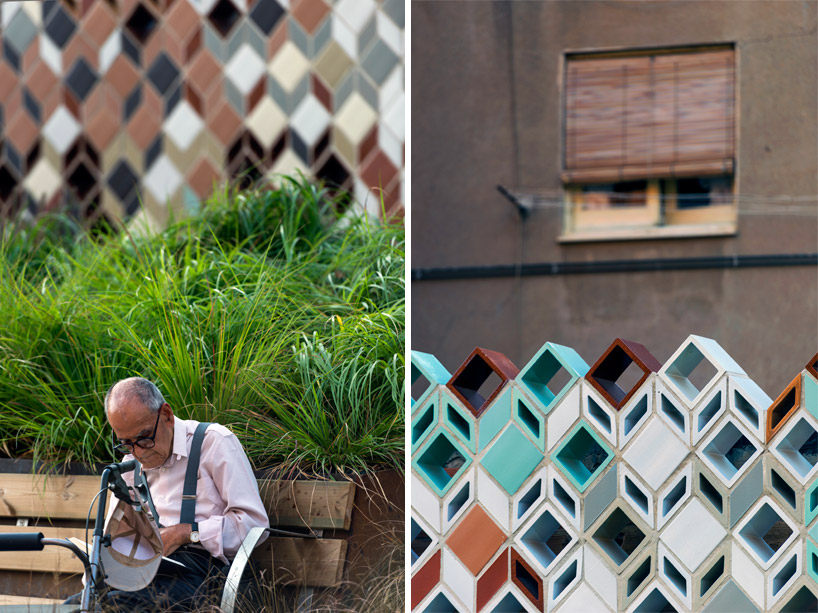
(173, 588)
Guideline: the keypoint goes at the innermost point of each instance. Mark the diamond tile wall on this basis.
(119, 108)
(565, 487)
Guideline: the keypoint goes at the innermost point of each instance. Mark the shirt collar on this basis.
(179, 438)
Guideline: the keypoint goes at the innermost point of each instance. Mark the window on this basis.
(649, 144)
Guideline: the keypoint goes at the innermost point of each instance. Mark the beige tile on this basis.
(356, 118)
(266, 122)
(289, 66)
(344, 147)
(43, 181)
(289, 163)
(333, 64)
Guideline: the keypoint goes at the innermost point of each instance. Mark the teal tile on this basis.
(441, 461)
(214, 44)
(582, 456)
(811, 395)
(494, 419)
(366, 89)
(511, 459)
(367, 35)
(321, 38)
(813, 532)
(529, 419)
(426, 367)
(253, 37)
(379, 62)
(191, 201)
(234, 97)
(541, 369)
(344, 90)
(298, 36)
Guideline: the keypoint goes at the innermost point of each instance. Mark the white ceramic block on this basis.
(788, 442)
(583, 598)
(494, 499)
(693, 519)
(599, 414)
(784, 574)
(674, 495)
(529, 498)
(564, 579)
(562, 417)
(637, 495)
(458, 579)
(426, 504)
(458, 500)
(749, 403)
(655, 453)
(747, 574)
(673, 574)
(708, 410)
(751, 531)
(672, 410)
(599, 574)
(635, 414)
(719, 450)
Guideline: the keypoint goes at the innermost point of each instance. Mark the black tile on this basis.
(141, 24)
(162, 73)
(278, 148)
(266, 14)
(153, 151)
(132, 204)
(11, 56)
(48, 8)
(7, 183)
(333, 172)
(122, 180)
(174, 95)
(132, 103)
(31, 105)
(224, 16)
(60, 27)
(81, 181)
(300, 147)
(82, 79)
(33, 156)
(15, 159)
(131, 50)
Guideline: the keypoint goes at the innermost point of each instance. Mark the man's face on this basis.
(131, 420)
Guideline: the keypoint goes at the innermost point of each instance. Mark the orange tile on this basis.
(204, 71)
(32, 56)
(79, 47)
(492, 580)
(425, 579)
(143, 127)
(378, 171)
(22, 132)
(310, 13)
(41, 81)
(182, 20)
(224, 123)
(203, 177)
(8, 81)
(193, 46)
(99, 23)
(122, 76)
(476, 539)
(277, 40)
(102, 128)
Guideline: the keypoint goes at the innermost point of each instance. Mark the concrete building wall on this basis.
(486, 109)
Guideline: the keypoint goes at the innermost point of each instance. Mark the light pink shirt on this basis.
(228, 503)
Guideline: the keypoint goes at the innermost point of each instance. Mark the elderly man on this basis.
(227, 503)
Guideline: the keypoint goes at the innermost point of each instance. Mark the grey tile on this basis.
(321, 38)
(266, 14)
(368, 91)
(214, 43)
(234, 41)
(394, 9)
(730, 599)
(81, 79)
(256, 41)
(20, 32)
(600, 497)
(379, 62)
(162, 73)
(31, 105)
(343, 90)
(60, 27)
(131, 49)
(234, 97)
(298, 36)
(122, 180)
(746, 492)
(367, 35)
(154, 150)
(11, 56)
(277, 93)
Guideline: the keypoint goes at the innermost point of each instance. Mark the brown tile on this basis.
(492, 580)
(51, 102)
(368, 144)
(182, 20)
(143, 127)
(194, 45)
(255, 96)
(310, 13)
(150, 51)
(97, 99)
(13, 102)
(122, 76)
(127, 7)
(71, 103)
(41, 81)
(79, 47)
(32, 56)
(224, 123)
(321, 92)
(194, 98)
(152, 101)
(425, 579)
(526, 578)
(204, 71)
(99, 23)
(22, 132)
(476, 539)
(8, 81)
(378, 171)
(203, 177)
(174, 48)
(102, 128)
(278, 38)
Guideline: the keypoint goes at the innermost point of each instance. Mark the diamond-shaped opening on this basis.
(525, 578)
(691, 372)
(784, 406)
(781, 486)
(419, 383)
(800, 447)
(564, 498)
(812, 366)
(224, 16)
(711, 576)
(599, 415)
(674, 496)
(803, 600)
(812, 561)
(458, 422)
(729, 450)
(709, 412)
(529, 498)
(440, 604)
(656, 602)
(711, 494)
(673, 413)
(477, 382)
(423, 423)
(785, 574)
(617, 375)
(457, 502)
(81, 181)
(546, 378)
(635, 493)
(546, 539)
(636, 414)
(638, 577)
(141, 24)
(618, 536)
(508, 603)
(420, 540)
(582, 457)
(441, 461)
(744, 407)
(564, 580)
(765, 532)
(675, 577)
(531, 421)
(812, 500)
(7, 183)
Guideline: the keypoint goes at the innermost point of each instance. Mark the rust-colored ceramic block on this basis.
(783, 407)
(613, 363)
(467, 381)
(527, 579)
(812, 367)
(492, 580)
(476, 539)
(426, 579)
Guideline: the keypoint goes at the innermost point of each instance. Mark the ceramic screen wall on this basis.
(629, 485)
(119, 107)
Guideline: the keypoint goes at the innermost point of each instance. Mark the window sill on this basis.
(649, 233)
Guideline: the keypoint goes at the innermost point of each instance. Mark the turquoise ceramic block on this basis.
(811, 505)
(570, 456)
(538, 373)
(511, 459)
(494, 418)
(811, 395)
(812, 561)
(530, 420)
(458, 419)
(427, 366)
(424, 420)
(441, 461)
(813, 532)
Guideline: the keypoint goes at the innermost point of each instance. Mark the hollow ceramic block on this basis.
(467, 381)
(729, 597)
(423, 541)
(494, 576)
(426, 504)
(582, 456)
(635, 414)
(694, 518)
(493, 498)
(458, 500)
(752, 532)
(599, 574)
(458, 579)
(565, 497)
(709, 409)
(784, 574)
(529, 498)
(527, 580)
(607, 371)
(784, 488)
(812, 560)
(783, 408)
(711, 492)
(637, 495)
(598, 499)
(712, 574)
(563, 416)
(545, 538)
(811, 394)
(691, 353)
(811, 504)
(458, 420)
(729, 450)
(746, 491)
(656, 597)
(655, 453)
(583, 598)
(674, 495)
(511, 458)
(509, 599)
(425, 579)
(440, 461)
(494, 419)
(635, 577)
(749, 403)
(796, 447)
(597, 411)
(673, 575)
(672, 410)
(426, 417)
(439, 600)
(564, 578)
(476, 539)
(812, 366)
(544, 366)
(528, 418)
(621, 536)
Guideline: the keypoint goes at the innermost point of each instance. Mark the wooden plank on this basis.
(6, 600)
(314, 504)
(310, 562)
(55, 497)
(50, 559)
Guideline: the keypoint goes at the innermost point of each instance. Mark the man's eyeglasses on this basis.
(143, 442)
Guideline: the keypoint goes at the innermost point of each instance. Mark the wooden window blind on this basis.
(648, 116)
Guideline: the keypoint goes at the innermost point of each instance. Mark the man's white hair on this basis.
(142, 389)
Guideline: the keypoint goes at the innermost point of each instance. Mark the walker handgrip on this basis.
(21, 541)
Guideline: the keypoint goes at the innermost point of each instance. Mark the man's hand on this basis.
(174, 537)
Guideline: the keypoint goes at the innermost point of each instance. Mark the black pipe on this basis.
(615, 266)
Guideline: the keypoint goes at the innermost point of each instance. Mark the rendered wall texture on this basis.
(628, 485)
(126, 107)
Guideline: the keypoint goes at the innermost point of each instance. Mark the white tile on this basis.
(517, 518)
(780, 587)
(686, 475)
(716, 445)
(391, 146)
(183, 125)
(392, 87)
(356, 13)
(267, 121)
(287, 164)
(693, 519)
(61, 130)
(43, 181)
(562, 417)
(310, 120)
(493, 498)
(655, 453)
(635, 413)
(749, 403)
(51, 55)
(389, 33)
(599, 574)
(566, 584)
(750, 538)
(632, 491)
(707, 412)
(787, 444)
(583, 599)
(355, 118)
(163, 179)
(683, 592)
(203, 7)
(393, 116)
(110, 50)
(34, 9)
(426, 504)
(288, 66)
(453, 497)
(345, 37)
(602, 417)
(457, 578)
(747, 575)
(244, 69)
(8, 10)
(554, 479)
